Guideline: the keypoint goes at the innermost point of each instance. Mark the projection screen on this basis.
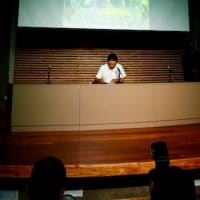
(158, 15)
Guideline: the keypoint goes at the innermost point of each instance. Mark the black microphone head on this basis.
(49, 68)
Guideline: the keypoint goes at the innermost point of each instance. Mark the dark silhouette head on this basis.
(160, 154)
(47, 179)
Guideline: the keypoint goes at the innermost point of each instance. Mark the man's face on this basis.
(111, 63)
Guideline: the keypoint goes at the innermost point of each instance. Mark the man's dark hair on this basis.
(112, 56)
(47, 179)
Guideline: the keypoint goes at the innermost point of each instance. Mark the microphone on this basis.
(170, 71)
(49, 74)
(119, 74)
(49, 68)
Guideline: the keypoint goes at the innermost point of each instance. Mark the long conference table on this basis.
(72, 107)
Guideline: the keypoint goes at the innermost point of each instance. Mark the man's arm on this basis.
(99, 77)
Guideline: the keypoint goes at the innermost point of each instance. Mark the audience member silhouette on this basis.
(47, 180)
(168, 182)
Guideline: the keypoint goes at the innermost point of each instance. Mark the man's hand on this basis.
(100, 81)
(121, 80)
(114, 81)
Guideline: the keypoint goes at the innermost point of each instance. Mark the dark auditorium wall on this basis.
(8, 17)
(195, 22)
(8, 22)
(191, 58)
(73, 38)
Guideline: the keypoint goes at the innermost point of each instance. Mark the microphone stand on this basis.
(49, 74)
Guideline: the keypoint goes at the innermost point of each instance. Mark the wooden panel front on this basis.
(93, 107)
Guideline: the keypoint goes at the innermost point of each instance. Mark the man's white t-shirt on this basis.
(108, 74)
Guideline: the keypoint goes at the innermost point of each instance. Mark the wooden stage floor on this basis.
(99, 153)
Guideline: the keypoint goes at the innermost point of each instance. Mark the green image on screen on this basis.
(106, 14)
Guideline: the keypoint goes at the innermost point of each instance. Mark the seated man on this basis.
(111, 72)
